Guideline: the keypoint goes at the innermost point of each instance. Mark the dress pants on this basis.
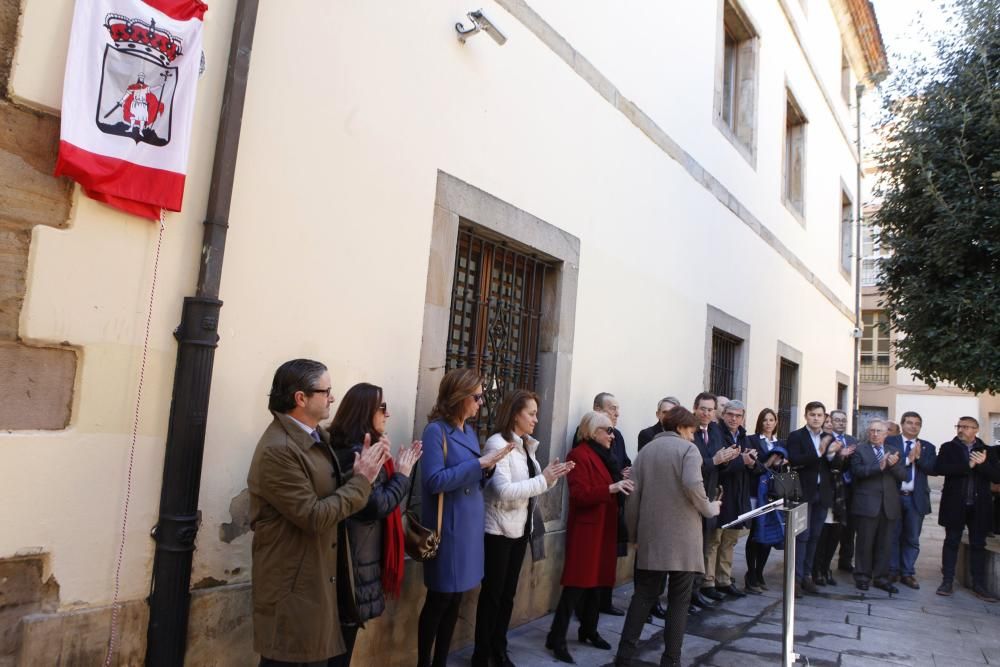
(586, 601)
(719, 556)
(648, 588)
(756, 554)
(872, 548)
(977, 548)
(906, 539)
(502, 569)
(436, 626)
(847, 532)
(706, 535)
(267, 662)
(807, 540)
(828, 540)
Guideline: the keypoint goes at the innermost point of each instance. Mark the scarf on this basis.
(616, 476)
(392, 546)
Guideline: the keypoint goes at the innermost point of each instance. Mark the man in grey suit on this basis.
(877, 475)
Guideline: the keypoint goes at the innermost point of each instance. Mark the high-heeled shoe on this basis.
(559, 650)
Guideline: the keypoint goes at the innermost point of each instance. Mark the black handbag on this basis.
(419, 542)
(785, 484)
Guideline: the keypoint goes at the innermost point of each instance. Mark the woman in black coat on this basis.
(374, 534)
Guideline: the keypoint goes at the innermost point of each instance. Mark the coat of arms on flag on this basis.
(128, 101)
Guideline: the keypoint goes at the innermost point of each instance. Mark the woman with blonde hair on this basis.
(596, 487)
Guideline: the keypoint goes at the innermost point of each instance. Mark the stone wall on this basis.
(38, 380)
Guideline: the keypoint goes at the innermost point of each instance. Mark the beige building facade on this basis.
(646, 202)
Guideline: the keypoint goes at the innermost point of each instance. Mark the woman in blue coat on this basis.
(452, 466)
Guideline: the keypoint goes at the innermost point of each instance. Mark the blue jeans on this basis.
(806, 541)
(906, 539)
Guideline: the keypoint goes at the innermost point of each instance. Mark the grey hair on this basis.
(733, 406)
(668, 399)
(871, 422)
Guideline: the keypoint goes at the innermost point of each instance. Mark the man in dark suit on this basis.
(877, 473)
(809, 451)
(662, 408)
(966, 502)
(715, 455)
(847, 445)
(735, 480)
(919, 459)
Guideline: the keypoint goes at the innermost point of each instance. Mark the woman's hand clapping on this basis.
(555, 470)
(625, 486)
(408, 457)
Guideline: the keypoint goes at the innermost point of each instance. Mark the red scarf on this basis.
(392, 547)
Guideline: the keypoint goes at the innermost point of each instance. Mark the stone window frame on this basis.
(457, 201)
(846, 75)
(796, 131)
(846, 226)
(843, 380)
(790, 354)
(718, 319)
(735, 22)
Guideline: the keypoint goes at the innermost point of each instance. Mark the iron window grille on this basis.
(725, 356)
(495, 323)
(788, 375)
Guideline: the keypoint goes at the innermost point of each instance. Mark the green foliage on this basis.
(940, 209)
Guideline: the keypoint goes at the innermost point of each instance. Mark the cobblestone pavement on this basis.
(840, 626)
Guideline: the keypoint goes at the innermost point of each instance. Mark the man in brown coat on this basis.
(296, 503)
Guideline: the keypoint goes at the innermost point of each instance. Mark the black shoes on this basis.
(886, 586)
(819, 579)
(808, 586)
(693, 609)
(731, 591)
(845, 567)
(945, 588)
(862, 585)
(713, 593)
(597, 640)
(701, 601)
(750, 585)
(612, 611)
(559, 650)
(984, 594)
(658, 611)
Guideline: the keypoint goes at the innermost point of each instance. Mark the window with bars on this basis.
(874, 347)
(841, 396)
(496, 317)
(788, 380)
(725, 360)
(795, 155)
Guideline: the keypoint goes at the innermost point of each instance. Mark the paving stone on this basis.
(926, 642)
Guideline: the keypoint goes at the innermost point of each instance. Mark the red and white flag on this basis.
(128, 101)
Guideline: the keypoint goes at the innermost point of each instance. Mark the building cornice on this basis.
(864, 30)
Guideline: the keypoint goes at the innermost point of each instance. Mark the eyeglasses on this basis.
(320, 391)
(610, 429)
(971, 426)
(384, 409)
(478, 398)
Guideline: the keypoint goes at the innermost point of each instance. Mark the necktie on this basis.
(315, 436)
(909, 467)
(879, 454)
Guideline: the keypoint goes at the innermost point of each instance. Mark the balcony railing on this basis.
(869, 271)
(874, 374)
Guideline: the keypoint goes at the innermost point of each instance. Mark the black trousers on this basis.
(873, 548)
(502, 569)
(436, 626)
(757, 555)
(350, 633)
(848, 532)
(588, 599)
(829, 539)
(649, 586)
(977, 548)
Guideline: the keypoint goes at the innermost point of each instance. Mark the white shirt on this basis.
(815, 438)
(307, 429)
(908, 486)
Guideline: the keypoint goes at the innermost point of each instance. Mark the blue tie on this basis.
(315, 435)
(879, 454)
(909, 466)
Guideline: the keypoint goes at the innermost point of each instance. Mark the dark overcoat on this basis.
(953, 463)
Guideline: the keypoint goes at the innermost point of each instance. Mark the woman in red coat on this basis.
(595, 485)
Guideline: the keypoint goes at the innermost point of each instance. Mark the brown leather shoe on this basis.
(893, 578)
(910, 581)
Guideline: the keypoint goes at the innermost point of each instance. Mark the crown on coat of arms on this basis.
(137, 35)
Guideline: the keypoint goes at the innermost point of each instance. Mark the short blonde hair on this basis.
(591, 422)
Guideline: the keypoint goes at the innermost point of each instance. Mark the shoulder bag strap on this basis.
(444, 459)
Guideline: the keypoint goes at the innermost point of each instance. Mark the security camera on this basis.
(855, 332)
(479, 22)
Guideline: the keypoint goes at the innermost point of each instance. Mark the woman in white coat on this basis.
(509, 496)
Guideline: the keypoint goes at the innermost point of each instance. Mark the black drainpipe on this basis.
(858, 263)
(174, 533)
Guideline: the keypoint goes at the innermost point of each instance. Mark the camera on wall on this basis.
(479, 23)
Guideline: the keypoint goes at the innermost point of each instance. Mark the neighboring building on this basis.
(646, 201)
(886, 391)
